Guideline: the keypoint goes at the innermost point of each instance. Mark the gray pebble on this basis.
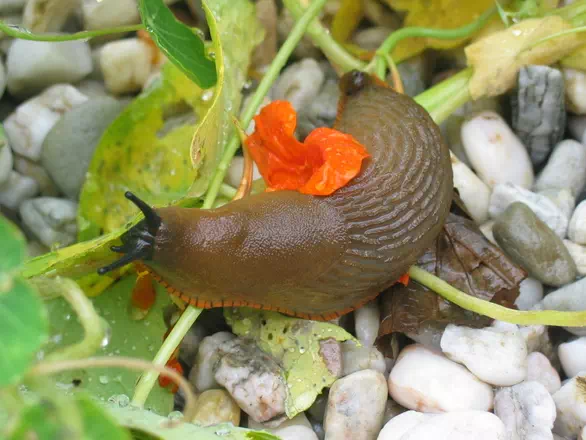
(69, 146)
(321, 112)
(566, 168)
(6, 159)
(299, 83)
(562, 198)
(371, 38)
(530, 243)
(51, 219)
(35, 171)
(17, 189)
(568, 298)
(539, 116)
(413, 75)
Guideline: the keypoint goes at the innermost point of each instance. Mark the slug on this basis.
(314, 257)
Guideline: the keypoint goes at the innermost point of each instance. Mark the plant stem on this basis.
(227, 190)
(441, 34)
(17, 32)
(324, 40)
(89, 319)
(468, 302)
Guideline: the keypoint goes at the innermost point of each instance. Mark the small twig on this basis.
(246, 180)
(17, 32)
(397, 82)
(48, 368)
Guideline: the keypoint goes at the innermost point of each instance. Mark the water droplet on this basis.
(67, 317)
(175, 415)
(301, 350)
(104, 380)
(516, 32)
(122, 400)
(212, 55)
(107, 333)
(56, 339)
(222, 432)
(207, 95)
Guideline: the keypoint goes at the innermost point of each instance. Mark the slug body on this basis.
(315, 257)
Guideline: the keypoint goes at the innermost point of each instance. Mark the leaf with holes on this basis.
(307, 350)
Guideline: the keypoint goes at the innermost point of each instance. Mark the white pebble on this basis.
(202, 373)
(356, 405)
(562, 198)
(495, 152)
(539, 369)
(28, 125)
(486, 229)
(575, 85)
(295, 432)
(565, 168)
(578, 254)
(537, 338)
(367, 322)
(361, 358)
(504, 195)
(51, 219)
(583, 435)
(126, 65)
(577, 226)
(6, 162)
(33, 65)
(568, 298)
(495, 357)
(16, 190)
(299, 83)
(570, 402)
(573, 356)
(42, 16)
(109, 13)
(458, 425)
(297, 428)
(474, 192)
(426, 380)
(527, 410)
(530, 293)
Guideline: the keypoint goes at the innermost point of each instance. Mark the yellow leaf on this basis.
(497, 58)
(346, 19)
(435, 14)
(576, 60)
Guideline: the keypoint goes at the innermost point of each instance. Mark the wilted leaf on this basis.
(180, 43)
(576, 60)
(436, 14)
(235, 33)
(127, 337)
(464, 258)
(497, 58)
(295, 343)
(346, 19)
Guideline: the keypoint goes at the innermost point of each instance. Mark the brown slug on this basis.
(315, 257)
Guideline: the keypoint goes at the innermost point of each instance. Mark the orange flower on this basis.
(325, 162)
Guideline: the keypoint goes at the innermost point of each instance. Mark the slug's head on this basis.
(139, 241)
(356, 81)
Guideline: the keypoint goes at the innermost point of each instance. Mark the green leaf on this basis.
(296, 344)
(178, 42)
(97, 423)
(235, 32)
(147, 425)
(13, 246)
(139, 339)
(23, 327)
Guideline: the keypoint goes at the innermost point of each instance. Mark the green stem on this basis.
(547, 317)
(441, 34)
(227, 191)
(575, 30)
(89, 319)
(324, 40)
(16, 32)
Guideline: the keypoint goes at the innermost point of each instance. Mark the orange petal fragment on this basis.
(325, 162)
(404, 279)
(165, 382)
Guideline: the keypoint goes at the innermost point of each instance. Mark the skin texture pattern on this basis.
(316, 257)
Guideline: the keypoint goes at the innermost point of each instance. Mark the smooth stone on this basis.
(566, 168)
(503, 195)
(371, 38)
(6, 160)
(458, 425)
(109, 13)
(319, 112)
(27, 167)
(16, 190)
(190, 343)
(356, 405)
(530, 293)
(426, 380)
(42, 16)
(578, 254)
(330, 351)
(3, 79)
(428, 335)
(413, 73)
(92, 88)
(474, 192)
(295, 432)
(201, 375)
(34, 65)
(577, 226)
(539, 369)
(299, 83)
(562, 198)
(538, 109)
(495, 152)
(253, 379)
(367, 323)
(537, 339)
(570, 402)
(575, 81)
(392, 409)
(486, 229)
(356, 358)
(69, 147)
(494, 356)
(126, 65)
(527, 411)
(214, 407)
(573, 356)
(568, 298)
(530, 243)
(577, 126)
(297, 428)
(52, 220)
(27, 127)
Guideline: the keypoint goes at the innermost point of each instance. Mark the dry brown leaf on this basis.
(497, 58)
